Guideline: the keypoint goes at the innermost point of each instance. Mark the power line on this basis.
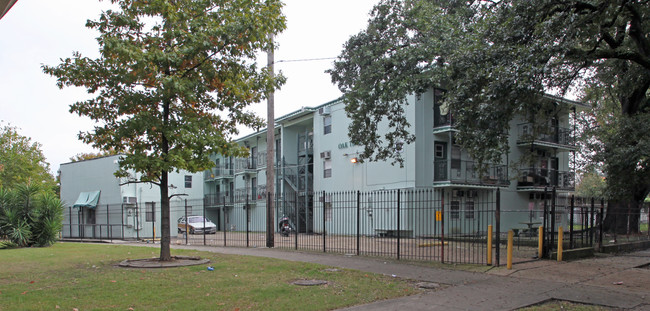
(304, 60)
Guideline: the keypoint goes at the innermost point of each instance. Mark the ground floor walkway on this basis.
(621, 281)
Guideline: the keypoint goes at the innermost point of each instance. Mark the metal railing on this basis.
(428, 224)
(467, 172)
(551, 134)
(538, 177)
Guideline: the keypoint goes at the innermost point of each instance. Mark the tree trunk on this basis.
(165, 240)
(622, 217)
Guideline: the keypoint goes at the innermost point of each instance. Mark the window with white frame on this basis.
(327, 125)
(327, 168)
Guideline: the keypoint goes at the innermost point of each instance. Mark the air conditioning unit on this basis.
(325, 110)
(326, 154)
(129, 200)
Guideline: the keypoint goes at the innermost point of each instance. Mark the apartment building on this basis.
(314, 158)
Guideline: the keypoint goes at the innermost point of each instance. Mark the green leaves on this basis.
(21, 160)
(30, 215)
(197, 58)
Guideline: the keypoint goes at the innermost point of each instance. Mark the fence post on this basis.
(297, 223)
(591, 224)
(600, 224)
(324, 233)
(571, 222)
(247, 218)
(224, 220)
(545, 223)
(187, 234)
(398, 225)
(358, 222)
(553, 197)
(489, 245)
(442, 227)
(109, 230)
(204, 223)
(70, 220)
(497, 219)
(509, 250)
(137, 221)
(560, 243)
(122, 221)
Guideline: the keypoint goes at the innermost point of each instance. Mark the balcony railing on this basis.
(555, 135)
(442, 120)
(539, 178)
(219, 171)
(466, 172)
(245, 164)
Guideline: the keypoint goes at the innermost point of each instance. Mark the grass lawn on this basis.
(71, 276)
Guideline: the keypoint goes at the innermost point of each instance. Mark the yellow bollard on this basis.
(540, 241)
(489, 245)
(511, 236)
(560, 237)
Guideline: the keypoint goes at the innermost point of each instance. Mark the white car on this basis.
(196, 224)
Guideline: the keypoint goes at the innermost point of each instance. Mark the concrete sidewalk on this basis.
(620, 282)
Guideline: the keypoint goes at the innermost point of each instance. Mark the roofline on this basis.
(290, 116)
(566, 101)
(97, 158)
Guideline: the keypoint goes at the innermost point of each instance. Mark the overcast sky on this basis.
(41, 32)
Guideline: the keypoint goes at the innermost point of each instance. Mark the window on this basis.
(150, 211)
(469, 210)
(327, 125)
(327, 168)
(188, 181)
(455, 210)
(440, 151)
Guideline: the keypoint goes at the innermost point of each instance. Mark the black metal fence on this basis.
(449, 226)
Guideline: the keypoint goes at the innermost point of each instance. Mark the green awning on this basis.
(87, 199)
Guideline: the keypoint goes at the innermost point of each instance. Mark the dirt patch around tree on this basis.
(177, 261)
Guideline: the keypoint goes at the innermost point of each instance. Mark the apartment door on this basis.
(440, 161)
(555, 166)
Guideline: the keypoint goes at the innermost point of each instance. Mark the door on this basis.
(440, 161)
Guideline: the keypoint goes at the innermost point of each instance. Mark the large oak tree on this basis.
(497, 59)
(172, 83)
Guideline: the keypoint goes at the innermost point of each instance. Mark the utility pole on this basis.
(270, 155)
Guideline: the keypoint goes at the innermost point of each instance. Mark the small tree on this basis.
(172, 83)
(21, 160)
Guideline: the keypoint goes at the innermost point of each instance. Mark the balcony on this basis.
(535, 179)
(466, 173)
(218, 172)
(246, 165)
(553, 137)
(218, 199)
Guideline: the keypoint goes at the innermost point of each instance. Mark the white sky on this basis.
(42, 32)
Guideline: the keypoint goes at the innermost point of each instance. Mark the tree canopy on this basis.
(172, 83)
(497, 59)
(21, 160)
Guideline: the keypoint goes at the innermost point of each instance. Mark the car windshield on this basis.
(196, 219)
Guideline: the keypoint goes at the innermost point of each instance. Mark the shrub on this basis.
(30, 216)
